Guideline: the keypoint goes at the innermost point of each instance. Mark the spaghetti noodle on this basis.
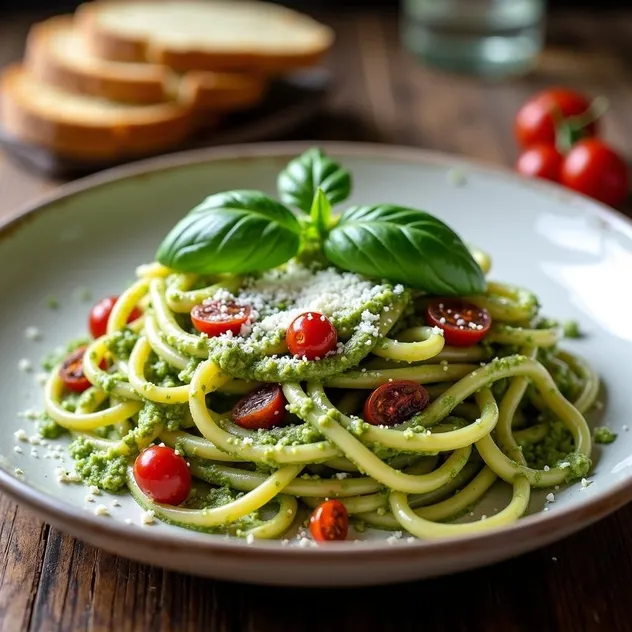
(415, 476)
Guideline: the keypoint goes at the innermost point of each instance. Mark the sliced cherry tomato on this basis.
(535, 122)
(215, 318)
(330, 521)
(262, 408)
(395, 402)
(71, 371)
(596, 170)
(163, 475)
(540, 161)
(100, 314)
(311, 336)
(463, 323)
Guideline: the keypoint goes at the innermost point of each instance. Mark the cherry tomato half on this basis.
(540, 161)
(100, 314)
(215, 318)
(463, 323)
(163, 475)
(594, 169)
(395, 402)
(71, 372)
(262, 408)
(311, 335)
(535, 121)
(330, 521)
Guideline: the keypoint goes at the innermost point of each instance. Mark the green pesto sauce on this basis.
(601, 434)
(161, 373)
(151, 419)
(552, 449)
(106, 470)
(566, 381)
(291, 435)
(557, 449)
(571, 329)
(49, 429)
(121, 342)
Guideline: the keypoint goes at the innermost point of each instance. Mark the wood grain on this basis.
(50, 582)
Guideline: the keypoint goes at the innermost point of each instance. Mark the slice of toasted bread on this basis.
(240, 35)
(56, 53)
(80, 126)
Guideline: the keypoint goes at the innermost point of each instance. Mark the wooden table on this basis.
(49, 581)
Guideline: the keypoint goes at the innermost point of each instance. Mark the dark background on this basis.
(57, 6)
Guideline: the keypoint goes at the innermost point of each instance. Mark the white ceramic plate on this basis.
(574, 253)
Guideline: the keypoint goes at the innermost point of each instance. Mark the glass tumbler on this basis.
(490, 38)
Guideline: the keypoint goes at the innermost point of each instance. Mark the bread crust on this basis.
(115, 46)
(89, 140)
(218, 92)
(42, 61)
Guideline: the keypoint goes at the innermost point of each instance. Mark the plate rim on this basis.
(543, 527)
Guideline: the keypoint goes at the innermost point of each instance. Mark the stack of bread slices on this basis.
(125, 78)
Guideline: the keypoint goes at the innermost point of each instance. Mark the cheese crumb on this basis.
(18, 471)
(32, 333)
(585, 483)
(29, 414)
(342, 475)
(550, 498)
(94, 490)
(397, 535)
(25, 365)
(101, 510)
(148, 517)
(128, 521)
(250, 538)
(20, 435)
(89, 498)
(546, 468)
(116, 503)
(18, 449)
(41, 378)
(66, 477)
(456, 177)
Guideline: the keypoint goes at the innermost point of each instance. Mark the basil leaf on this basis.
(233, 232)
(404, 245)
(303, 175)
(321, 212)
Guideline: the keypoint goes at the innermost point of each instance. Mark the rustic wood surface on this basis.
(50, 582)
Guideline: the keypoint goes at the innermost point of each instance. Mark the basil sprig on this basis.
(246, 231)
(312, 170)
(405, 245)
(233, 232)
